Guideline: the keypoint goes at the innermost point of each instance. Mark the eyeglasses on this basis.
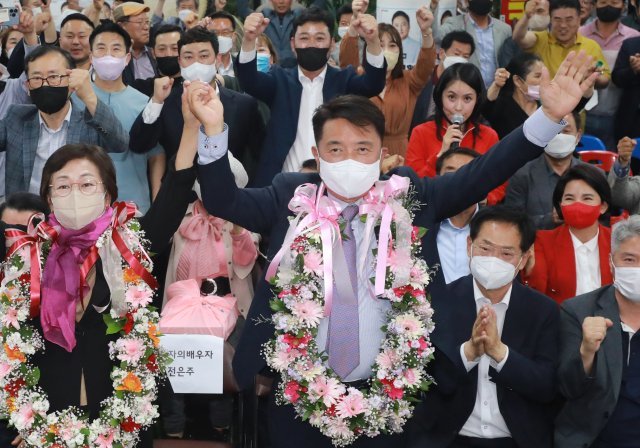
(487, 250)
(51, 80)
(224, 33)
(142, 23)
(63, 188)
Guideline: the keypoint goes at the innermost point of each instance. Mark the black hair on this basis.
(224, 15)
(400, 14)
(558, 4)
(458, 36)
(23, 201)
(108, 26)
(344, 9)
(77, 16)
(45, 50)
(310, 164)
(459, 151)
(314, 14)
(520, 65)
(470, 75)
(164, 29)
(591, 175)
(356, 109)
(198, 34)
(507, 215)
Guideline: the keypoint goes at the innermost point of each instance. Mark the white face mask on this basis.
(349, 178)
(342, 31)
(224, 44)
(451, 60)
(78, 209)
(627, 282)
(199, 72)
(561, 146)
(492, 272)
(184, 13)
(539, 23)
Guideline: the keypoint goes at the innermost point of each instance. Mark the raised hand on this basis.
(562, 94)
(493, 346)
(626, 146)
(359, 7)
(594, 330)
(634, 61)
(161, 89)
(424, 16)
(26, 24)
(41, 21)
(530, 8)
(206, 107)
(367, 27)
(80, 83)
(501, 77)
(254, 26)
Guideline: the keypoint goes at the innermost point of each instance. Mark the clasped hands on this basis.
(201, 105)
(485, 338)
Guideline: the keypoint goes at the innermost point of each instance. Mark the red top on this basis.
(424, 147)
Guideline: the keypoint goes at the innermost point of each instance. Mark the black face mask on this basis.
(480, 7)
(312, 58)
(608, 13)
(49, 99)
(168, 65)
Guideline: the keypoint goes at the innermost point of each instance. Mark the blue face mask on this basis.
(264, 62)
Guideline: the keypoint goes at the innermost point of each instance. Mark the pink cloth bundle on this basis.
(189, 312)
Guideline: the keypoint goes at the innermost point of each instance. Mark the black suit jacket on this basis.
(628, 117)
(246, 128)
(265, 211)
(525, 385)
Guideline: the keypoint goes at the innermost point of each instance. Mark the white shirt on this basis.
(630, 331)
(486, 421)
(50, 141)
(228, 70)
(587, 264)
(310, 99)
(371, 310)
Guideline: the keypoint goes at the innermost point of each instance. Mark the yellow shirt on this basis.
(553, 53)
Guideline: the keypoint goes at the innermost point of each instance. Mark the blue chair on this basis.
(590, 143)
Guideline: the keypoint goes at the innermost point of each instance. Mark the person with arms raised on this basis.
(349, 131)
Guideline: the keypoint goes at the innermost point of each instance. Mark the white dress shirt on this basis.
(452, 250)
(486, 421)
(50, 141)
(587, 264)
(309, 101)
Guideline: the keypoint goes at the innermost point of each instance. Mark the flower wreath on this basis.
(139, 361)
(301, 277)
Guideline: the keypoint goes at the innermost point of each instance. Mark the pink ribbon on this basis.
(380, 202)
(314, 211)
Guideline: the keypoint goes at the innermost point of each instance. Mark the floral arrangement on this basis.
(318, 395)
(138, 360)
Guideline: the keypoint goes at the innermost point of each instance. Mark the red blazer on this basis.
(554, 273)
(424, 146)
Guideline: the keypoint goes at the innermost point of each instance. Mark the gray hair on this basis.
(624, 230)
(196, 2)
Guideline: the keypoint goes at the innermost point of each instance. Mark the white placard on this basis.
(197, 363)
(386, 9)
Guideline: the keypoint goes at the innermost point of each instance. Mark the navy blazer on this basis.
(265, 211)
(239, 109)
(281, 90)
(525, 385)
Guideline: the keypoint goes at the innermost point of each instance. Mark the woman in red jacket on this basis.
(460, 91)
(573, 259)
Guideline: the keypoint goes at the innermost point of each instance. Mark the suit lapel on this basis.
(296, 95)
(612, 345)
(31, 132)
(230, 106)
(604, 249)
(565, 258)
(516, 315)
(328, 94)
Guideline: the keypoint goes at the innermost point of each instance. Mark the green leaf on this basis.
(422, 231)
(113, 325)
(277, 305)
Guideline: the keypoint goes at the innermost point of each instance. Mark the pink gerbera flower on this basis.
(138, 297)
(351, 405)
(11, 318)
(308, 311)
(327, 389)
(130, 350)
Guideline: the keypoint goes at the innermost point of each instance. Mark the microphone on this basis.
(456, 119)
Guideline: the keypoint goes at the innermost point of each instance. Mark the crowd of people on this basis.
(147, 156)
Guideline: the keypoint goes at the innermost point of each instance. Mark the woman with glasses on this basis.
(573, 259)
(79, 185)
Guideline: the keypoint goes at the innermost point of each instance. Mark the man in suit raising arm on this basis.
(294, 93)
(599, 372)
(349, 132)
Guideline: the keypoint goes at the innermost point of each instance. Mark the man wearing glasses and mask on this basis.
(30, 133)
(134, 19)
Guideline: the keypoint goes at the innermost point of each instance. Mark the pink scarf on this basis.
(61, 287)
(200, 232)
